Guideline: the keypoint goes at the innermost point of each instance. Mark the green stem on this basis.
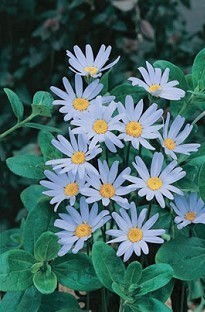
(149, 210)
(198, 118)
(15, 127)
(182, 298)
(128, 154)
(121, 309)
(88, 294)
(104, 300)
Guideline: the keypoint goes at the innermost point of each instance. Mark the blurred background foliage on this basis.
(34, 36)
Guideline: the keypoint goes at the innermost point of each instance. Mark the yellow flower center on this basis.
(83, 230)
(80, 104)
(71, 189)
(154, 87)
(133, 128)
(100, 126)
(78, 158)
(91, 70)
(135, 235)
(107, 190)
(169, 143)
(154, 183)
(190, 215)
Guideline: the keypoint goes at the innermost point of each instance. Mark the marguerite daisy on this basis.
(62, 186)
(157, 83)
(78, 155)
(107, 185)
(98, 124)
(133, 234)
(137, 127)
(86, 65)
(189, 209)
(78, 227)
(76, 102)
(158, 182)
(173, 137)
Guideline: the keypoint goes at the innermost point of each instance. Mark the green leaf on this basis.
(186, 256)
(30, 300)
(147, 305)
(32, 195)
(108, 266)
(15, 270)
(27, 166)
(6, 241)
(121, 91)
(154, 277)
(42, 104)
(133, 273)
(120, 290)
(16, 103)
(47, 148)
(163, 293)
(57, 301)
(46, 247)
(76, 272)
(198, 70)
(202, 182)
(45, 281)
(105, 80)
(40, 219)
(41, 127)
(174, 74)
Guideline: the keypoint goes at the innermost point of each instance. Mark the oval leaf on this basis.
(108, 266)
(185, 255)
(15, 270)
(154, 277)
(46, 247)
(42, 104)
(76, 272)
(39, 220)
(27, 166)
(45, 281)
(198, 70)
(20, 301)
(133, 273)
(32, 195)
(16, 103)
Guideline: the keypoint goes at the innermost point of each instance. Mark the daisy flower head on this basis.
(138, 127)
(189, 209)
(86, 64)
(62, 187)
(157, 83)
(107, 185)
(158, 182)
(174, 136)
(77, 101)
(98, 124)
(134, 232)
(78, 227)
(78, 155)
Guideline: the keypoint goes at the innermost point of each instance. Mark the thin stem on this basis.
(121, 309)
(88, 294)
(149, 210)
(198, 118)
(18, 125)
(182, 298)
(128, 154)
(104, 300)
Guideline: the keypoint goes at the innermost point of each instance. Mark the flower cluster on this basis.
(99, 127)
